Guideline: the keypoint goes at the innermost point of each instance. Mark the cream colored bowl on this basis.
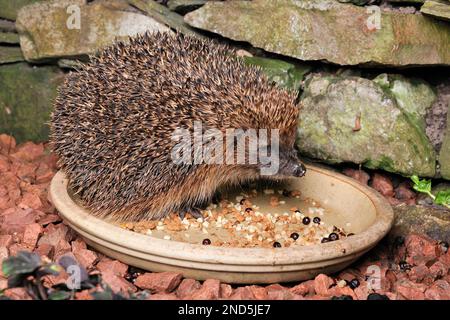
(361, 211)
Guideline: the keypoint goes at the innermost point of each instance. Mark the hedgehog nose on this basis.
(299, 170)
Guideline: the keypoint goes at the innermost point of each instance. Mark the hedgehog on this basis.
(114, 118)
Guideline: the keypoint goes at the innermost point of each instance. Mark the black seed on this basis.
(298, 211)
(242, 201)
(344, 297)
(333, 236)
(377, 296)
(404, 266)
(350, 234)
(206, 242)
(353, 284)
(324, 240)
(276, 244)
(306, 220)
(316, 220)
(286, 193)
(247, 210)
(294, 235)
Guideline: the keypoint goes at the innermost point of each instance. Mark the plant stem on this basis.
(41, 288)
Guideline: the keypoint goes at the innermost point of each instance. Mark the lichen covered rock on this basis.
(353, 119)
(341, 33)
(71, 28)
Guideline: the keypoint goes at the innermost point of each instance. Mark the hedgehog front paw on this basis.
(194, 212)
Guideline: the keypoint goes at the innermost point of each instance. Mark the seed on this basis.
(242, 201)
(333, 236)
(286, 193)
(248, 210)
(353, 284)
(324, 240)
(316, 220)
(341, 283)
(294, 235)
(276, 244)
(206, 242)
(404, 266)
(306, 220)
(350, 234)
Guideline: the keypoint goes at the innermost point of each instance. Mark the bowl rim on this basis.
(81, 220)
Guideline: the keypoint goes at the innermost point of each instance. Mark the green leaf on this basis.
(443, 198)
(17, 280)
(421, 185)
(285, 74)
(23, 263)
(59, 295)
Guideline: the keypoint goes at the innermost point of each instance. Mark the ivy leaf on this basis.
(17, 280)
(23, 263)
(421, 185)
(443, 197)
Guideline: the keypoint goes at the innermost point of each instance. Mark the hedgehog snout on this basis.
(290, 165)
(299, 170)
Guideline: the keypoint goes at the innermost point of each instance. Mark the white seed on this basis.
(159, 227)
(149, 232)
(268, 191)
(166, 237)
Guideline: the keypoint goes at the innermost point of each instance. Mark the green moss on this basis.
(384, 163)
(26, 98)
(285, 74)
(9, 8)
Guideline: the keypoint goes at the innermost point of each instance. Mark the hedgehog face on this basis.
(290, 164)
(283, 162)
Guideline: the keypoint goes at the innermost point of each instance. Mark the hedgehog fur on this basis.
(114, 117)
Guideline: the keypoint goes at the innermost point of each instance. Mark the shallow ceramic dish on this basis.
(370, 215)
